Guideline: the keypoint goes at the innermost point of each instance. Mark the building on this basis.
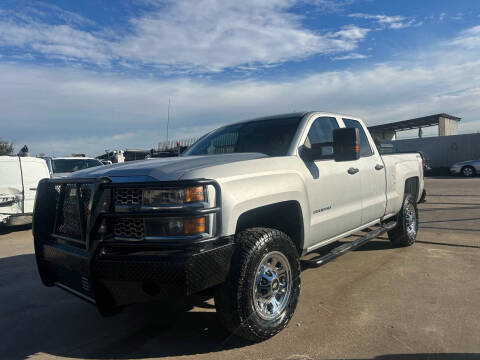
(447, 125)
(442, 151)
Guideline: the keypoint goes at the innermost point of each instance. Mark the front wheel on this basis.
(405, 233)
(468, 171)
(261, 292)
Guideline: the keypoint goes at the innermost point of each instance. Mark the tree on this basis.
(6, 148)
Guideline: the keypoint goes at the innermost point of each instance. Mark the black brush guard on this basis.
(76, 249)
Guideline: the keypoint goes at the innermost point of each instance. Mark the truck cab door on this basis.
(372, 173)
(333, 189)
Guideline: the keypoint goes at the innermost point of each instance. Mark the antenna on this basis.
(168, 116)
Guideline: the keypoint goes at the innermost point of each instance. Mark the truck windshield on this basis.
(71, 165)
(270, 137)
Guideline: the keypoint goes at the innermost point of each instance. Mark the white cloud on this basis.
(186, 35)
(458, 16)
(391, 22)
(63, 111)
(54, 40)
(469, 39)
(212, 35)
(351, 56)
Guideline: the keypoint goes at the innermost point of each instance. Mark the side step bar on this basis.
(344, 248)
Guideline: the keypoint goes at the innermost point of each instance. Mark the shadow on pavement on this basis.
(452, 208)
(447, 229)
(433, 356)
(448, 220)
(451, 203)
(448, 244)
(4, 230)
(36, 319)
(373, 245)
(459, 195)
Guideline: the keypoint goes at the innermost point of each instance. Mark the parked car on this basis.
(63, 166)
(233, 215)
(19, 177)
(466, 168)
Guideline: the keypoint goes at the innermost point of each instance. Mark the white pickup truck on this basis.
(234, 214)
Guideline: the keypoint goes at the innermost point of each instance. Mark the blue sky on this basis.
(85, 76)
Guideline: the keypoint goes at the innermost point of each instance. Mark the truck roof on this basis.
(294, 114)
(73, 158)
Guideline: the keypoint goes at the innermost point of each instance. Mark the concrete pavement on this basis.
(378, 302)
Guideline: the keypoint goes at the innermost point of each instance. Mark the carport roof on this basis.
(425, 121)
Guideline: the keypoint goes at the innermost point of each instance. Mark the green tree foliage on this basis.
(6, 148)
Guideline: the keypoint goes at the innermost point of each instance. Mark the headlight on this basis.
(174, 196)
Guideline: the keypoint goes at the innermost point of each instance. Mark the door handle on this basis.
(378, 167)
(352, 171)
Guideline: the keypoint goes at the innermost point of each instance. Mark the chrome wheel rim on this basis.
(411, 221)
(273, 285)
(467, 171)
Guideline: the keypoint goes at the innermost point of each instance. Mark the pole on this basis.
(168, 116)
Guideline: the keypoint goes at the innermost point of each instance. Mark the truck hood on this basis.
(165, 169)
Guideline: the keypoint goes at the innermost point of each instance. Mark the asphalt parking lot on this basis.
(378, 302)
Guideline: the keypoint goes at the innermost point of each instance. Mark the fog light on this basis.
(194, 226)
(175, 227)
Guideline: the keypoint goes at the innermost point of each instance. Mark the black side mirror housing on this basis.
(346, 144)
(316, 151)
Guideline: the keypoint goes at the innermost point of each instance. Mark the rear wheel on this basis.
(261, 292)
(468, 171)
(405, 233)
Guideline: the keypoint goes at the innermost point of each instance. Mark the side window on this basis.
(321, 134)
(365, 149)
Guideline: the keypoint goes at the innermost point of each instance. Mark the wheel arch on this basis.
(285, 216)
(412, 186)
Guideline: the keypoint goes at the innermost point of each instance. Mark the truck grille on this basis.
(73, 214)
(129, 228)
(127, 196)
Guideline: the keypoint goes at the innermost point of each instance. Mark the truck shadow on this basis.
(36, 319)
(425, 356)
(4, 230)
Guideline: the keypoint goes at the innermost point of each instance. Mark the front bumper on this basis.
(110, 272)
(455, 170)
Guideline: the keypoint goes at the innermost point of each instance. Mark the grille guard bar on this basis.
(98, 185)
(48, 206)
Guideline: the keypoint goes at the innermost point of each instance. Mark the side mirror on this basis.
(346, 144)
(316, 151)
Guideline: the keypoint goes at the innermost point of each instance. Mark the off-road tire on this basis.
(234, 299)
(468, 171)
(401, 235)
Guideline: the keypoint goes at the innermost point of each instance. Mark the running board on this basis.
(344, 248)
